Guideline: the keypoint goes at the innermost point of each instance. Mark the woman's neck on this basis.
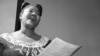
(27, 31)
(30, 33)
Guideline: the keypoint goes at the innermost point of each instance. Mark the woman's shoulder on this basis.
(3, 38)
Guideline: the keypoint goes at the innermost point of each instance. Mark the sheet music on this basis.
(59, 47)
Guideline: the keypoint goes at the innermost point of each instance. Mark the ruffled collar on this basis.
(39, 43)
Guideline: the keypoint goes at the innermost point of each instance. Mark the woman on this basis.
(25, 42)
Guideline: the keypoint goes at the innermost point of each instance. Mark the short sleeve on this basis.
(2, 40)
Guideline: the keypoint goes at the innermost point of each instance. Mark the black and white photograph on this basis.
(49, 27)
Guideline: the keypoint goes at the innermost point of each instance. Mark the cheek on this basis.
(38, 17)
(38, 20)
(25, 14)
(24, 18)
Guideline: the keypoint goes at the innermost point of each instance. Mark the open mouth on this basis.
(32, 18)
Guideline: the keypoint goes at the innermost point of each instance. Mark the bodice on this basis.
(21, 48)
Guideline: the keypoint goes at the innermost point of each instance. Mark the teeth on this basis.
(33, 19)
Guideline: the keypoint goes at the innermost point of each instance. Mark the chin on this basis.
(31, 26)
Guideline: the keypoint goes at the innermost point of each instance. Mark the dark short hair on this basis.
(25, 4)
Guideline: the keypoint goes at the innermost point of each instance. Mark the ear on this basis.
(20, 15)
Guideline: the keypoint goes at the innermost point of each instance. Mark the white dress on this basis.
(20, 48)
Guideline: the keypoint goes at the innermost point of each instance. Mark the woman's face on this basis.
(30, 16)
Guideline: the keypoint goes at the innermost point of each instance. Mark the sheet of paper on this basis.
(59, 47)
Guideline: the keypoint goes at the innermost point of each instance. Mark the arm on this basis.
(1, 49)
(2, 45)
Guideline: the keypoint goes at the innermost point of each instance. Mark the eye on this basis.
(31, 11)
